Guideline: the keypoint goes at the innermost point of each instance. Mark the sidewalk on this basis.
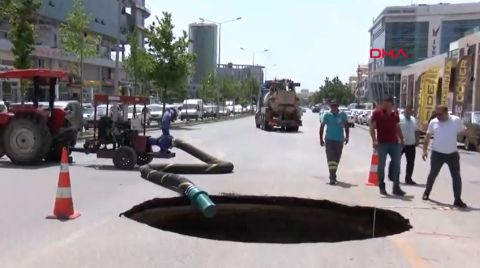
(177, 124)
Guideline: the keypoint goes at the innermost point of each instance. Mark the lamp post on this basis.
(253, 66)
(117, 46)
(220, 33)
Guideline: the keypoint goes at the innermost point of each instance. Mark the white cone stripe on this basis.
(64, 168)
(64, 192)
(374, 168)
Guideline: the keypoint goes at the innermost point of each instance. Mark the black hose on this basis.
(212, 165)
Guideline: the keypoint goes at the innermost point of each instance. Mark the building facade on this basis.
(421, 31)
(467, 45)
(204, 46)
(98, 72)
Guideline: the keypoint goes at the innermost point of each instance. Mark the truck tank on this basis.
(279, 107)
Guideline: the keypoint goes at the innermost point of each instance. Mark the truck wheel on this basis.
(26, 140)
(124, 158)
(144, 158)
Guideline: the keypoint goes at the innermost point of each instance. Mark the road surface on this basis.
(266, 163)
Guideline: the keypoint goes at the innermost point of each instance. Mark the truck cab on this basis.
(192, 109)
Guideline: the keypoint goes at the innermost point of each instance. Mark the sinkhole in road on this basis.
(262, 219)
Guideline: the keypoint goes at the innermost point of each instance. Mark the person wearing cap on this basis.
(165, 140)
(387, 139)
(336, 123)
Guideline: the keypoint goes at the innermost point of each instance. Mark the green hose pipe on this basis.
(201, 201)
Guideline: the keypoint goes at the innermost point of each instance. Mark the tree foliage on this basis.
(208, 91)
(172, 63)
(73, 33)
(18, 14)
(333, 90)
(139, 64)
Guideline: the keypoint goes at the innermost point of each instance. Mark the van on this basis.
(192, 109)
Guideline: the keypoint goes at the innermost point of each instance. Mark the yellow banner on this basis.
(428, 92)
(447, 71)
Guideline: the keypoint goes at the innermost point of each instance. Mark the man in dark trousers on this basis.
(445, 128)
(165, 141)
(336, 123)
(387, 139)
(409, 127)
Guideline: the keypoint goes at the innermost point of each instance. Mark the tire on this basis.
(144, 158)
(468, 145)
(26, 140)
(2, 151)
(292, 129)
(124, 158)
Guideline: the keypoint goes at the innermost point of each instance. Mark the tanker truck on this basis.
(277, 106)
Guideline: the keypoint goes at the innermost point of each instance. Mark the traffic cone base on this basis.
(63, 208)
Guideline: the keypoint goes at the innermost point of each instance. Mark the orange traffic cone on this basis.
(63, 208)
(372, 176)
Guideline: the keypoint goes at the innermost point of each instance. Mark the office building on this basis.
(362, 83)
(204, 46)
(352, 83)
(111, 19)
(240, 72)
(421, 31)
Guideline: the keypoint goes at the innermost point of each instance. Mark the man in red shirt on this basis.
(387, 139)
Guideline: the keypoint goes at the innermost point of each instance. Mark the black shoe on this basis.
(459, 204)
(333, 182)
(382, 190)
(398, 191)
(425, 196)
(410, 182)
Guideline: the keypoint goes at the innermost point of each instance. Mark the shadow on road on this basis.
(345, 185)
(450, 206)
(415, 185)
(110, 168)
(279, 131)
(408, 198)
(9, 165)
(185, 128)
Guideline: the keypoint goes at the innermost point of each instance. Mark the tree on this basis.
(22, 32)
(334, 90)
(139, 63)
(208, 90)
(172, 63)
(75, 40)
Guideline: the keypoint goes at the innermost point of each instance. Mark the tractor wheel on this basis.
(2, 151)
(144, 158)
(124, 158)
(26, 140)
(292, 129)
(55, 152)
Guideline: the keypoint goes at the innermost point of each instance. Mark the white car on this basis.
(350, 118)
(139, 114)
(365, 117)
(156, 112)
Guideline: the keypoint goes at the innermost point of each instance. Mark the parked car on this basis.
(3, 107)
(350, 118)
(139, 112)
(472, 122)
(156, 112)
(365, 118)
(210, 110)
(192, 109)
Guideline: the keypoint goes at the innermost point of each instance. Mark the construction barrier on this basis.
(63, 207)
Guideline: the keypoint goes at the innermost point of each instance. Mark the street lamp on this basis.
(253, 53)
(253, 66)
(220, 33)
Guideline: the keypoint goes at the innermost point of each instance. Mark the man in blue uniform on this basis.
(165, 141)
(337, 123)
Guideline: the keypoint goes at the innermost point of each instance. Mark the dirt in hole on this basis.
(262, 219)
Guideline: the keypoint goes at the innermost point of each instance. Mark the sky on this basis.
(307, 40)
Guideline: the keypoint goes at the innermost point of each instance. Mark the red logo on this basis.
(380, 53)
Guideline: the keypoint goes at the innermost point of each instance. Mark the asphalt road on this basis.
(266, 163)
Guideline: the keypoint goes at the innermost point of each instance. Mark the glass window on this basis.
(454, 30)
(412, 37)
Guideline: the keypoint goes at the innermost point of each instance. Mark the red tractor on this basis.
(36, 129)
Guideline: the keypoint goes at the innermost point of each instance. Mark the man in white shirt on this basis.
(445, 129)
(409, 127)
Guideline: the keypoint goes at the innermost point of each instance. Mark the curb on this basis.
(178, 125)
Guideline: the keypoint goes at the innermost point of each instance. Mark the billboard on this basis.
(461, 84)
